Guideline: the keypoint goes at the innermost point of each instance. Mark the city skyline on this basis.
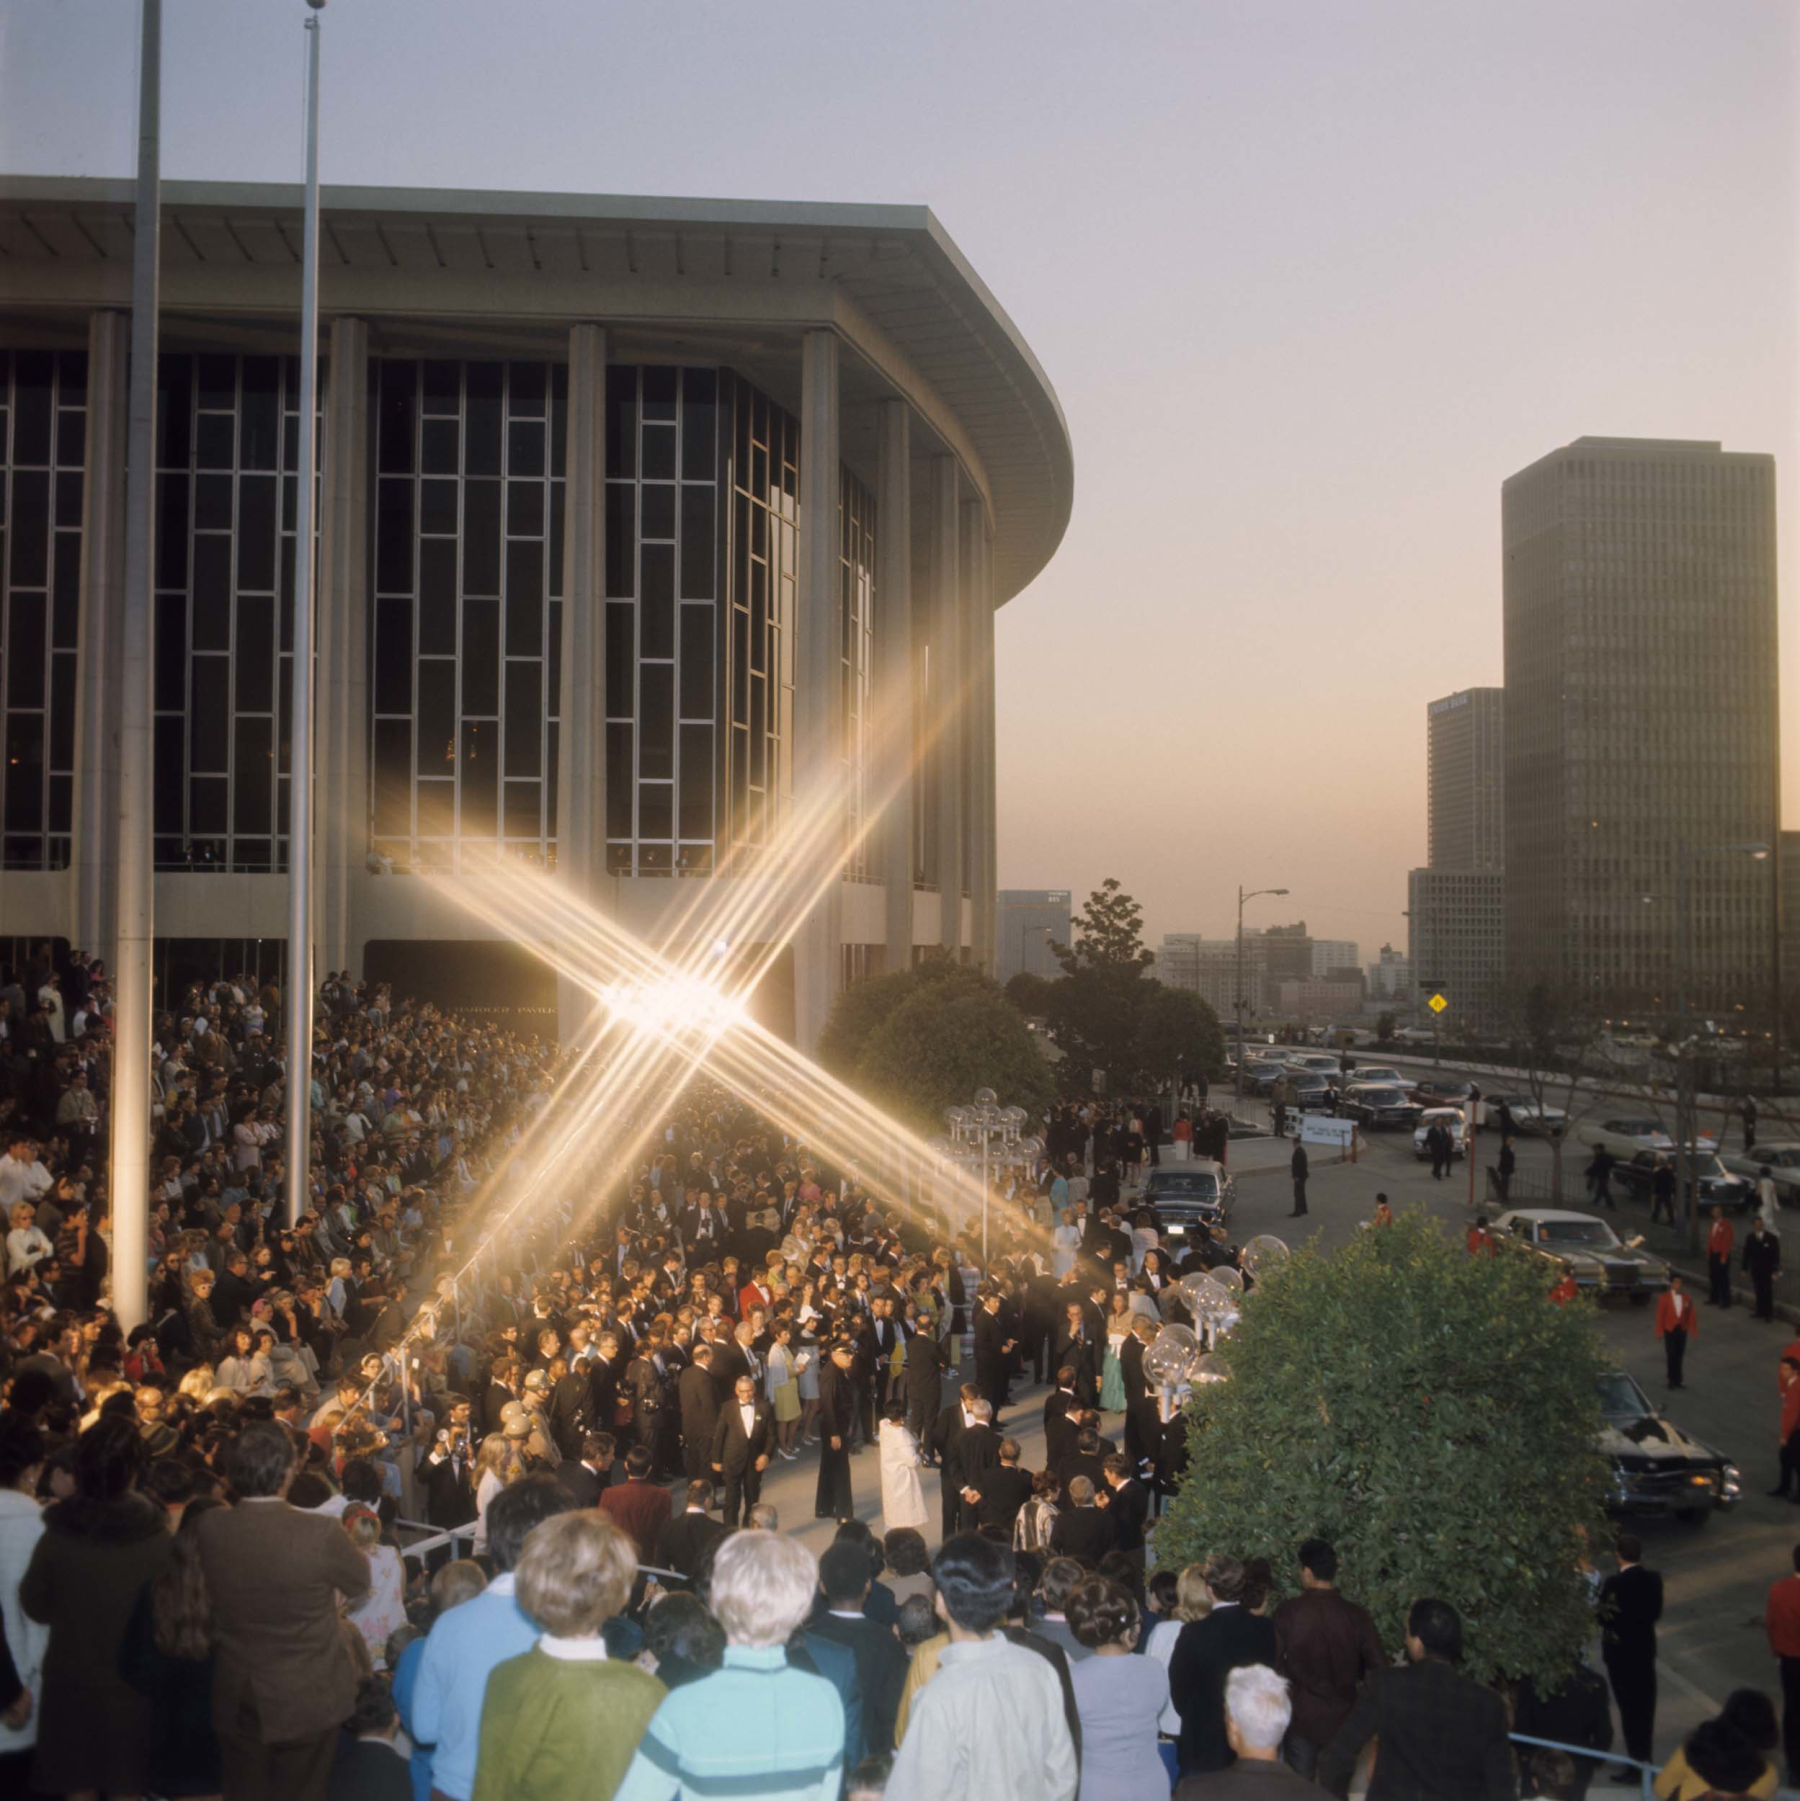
(1393, 258)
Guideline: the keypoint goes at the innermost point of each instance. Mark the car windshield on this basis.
(1307, 1078)
(1197, 1185)
(1380, 1075)
(1621, 1398)
(1706, 1167)
(1379, 1097)
(1576, 1231)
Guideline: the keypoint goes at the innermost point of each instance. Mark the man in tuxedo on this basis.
(449, 1481)
(884, 1329)
(742, 1436)
(588, 1476)
(570, 1421)
(1059, 1435)
(922, 1378)
(683, 1542)
(993, 1352)
(698, 1399)
(1074, 1350)
(1088, 1458)
(881, 1662)
(1631, 1603)
(603, 1374)
(1128, 1502)
(946, 1445)
(1082, 1530)
(1206, 1652)
(502, 1388)
(1000, 1492)
(978, 1454)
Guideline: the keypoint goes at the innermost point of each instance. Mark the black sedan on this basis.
(1713, 1183)
(1658, 1468)
(1377, 1107)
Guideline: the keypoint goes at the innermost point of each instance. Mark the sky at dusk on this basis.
(1310, 281)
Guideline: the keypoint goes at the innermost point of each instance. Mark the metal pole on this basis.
(300, 795)
(1684, 926)
(136, 945)
(1237, 1097)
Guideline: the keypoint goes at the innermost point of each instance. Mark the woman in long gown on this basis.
(902, 1493)
(1112, 1374)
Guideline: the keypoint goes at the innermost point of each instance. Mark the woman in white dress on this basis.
(902, 1493)
(1065, 1241)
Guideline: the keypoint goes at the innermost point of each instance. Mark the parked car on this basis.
(1312, 1093)
(1782, 1159)
(1449, 1117)
(1578, 1245)
(1529, 1115)
(1714, 1184)
(1189, 1199)
(1377, 1105)
(1415, 1035)
(1656, 1467)
(1628, 1135)
(1260, 1078)
(1379, 1072)
(1441, 1091)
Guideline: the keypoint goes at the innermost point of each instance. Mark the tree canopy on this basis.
(1434, 1417)
(925, 1039)
(1108, 933)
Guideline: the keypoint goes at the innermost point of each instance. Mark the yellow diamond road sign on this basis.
(1437, 1003)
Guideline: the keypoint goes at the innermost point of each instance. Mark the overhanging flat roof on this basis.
(890, 278)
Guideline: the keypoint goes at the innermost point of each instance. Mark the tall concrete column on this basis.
(95, 849)
(341, 707)
(979, 715)
(818, 688)
(581, 709)
(894, 739)
(945, 699)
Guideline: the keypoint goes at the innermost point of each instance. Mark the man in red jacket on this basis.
(1790, 1426)
(1565, 1291)
(1718, 1259)
(639, 1505)
(1675, 1323)
(1783, 1623)
(1481, 1240)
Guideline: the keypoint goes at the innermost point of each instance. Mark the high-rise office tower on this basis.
(1465, 758)
(1031, 923)
(1642, 723)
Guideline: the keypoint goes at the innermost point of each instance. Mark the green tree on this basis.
(1093, 1016)
(860, 1011)
(1430, 1413)
(1108, 933)
(1030, 993)
(945, 1040)
(1176, 1031)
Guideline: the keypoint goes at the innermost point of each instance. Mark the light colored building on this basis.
(1315, 1001)
(1332, 954)
(647, 528)
(1032, 922)
(1465, 780)
(1209, 968)
(1390, 976)
(1457, 941)
(1642, 720)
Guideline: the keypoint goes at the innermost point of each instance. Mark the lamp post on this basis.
(982, 1135)
(1254, 894)
(299, 1020)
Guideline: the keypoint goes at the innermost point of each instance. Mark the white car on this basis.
(1782, 1160)
(1626, 1136)
(1528, 1115)
(1450, 1117)
(1388, 1078)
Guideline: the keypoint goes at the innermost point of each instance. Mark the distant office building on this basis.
(1642, 719)
(1390, 975)
(1330, 954)
(1790, 911)
(1465, 767)
(1457, 921)
(1031, 922)
(1209, 968)
(1287, 953)
(1314, 1001)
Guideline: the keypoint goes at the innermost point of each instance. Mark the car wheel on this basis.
(1694, 1516)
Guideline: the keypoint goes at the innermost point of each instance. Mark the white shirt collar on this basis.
(573, 1650)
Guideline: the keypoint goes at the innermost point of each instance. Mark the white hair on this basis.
(763, 1517)
(762, 1587)
(983, 1410)
(1256, 1699)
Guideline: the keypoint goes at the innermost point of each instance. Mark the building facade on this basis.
(1457, 944)
(1209, 967)
(1031, 923)
(659, 544)
(1465, 773)
(1389, 977)
(1642, 721)
(1316, 1001)
(1330, 955)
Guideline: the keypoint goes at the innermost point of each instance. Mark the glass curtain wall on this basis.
(228, 443)
(856, 602)
(43, 443)
(466, 673)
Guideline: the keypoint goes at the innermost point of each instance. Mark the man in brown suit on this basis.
(283, 1682)
(1325, 1646)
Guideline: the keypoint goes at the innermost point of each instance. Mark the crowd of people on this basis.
(396, 1504)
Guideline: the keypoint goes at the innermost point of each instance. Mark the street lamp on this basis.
(1254, 894)
(982, 1135)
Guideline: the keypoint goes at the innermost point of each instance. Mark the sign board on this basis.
(1318, 1128)
(1437, 1003)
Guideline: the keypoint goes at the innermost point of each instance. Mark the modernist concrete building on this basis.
(647, 528)
(1465, 780)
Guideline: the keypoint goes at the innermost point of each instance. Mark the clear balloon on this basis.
(1014, 1118)
(1227, 1278)
(956, 1116)
(985, 1097)
(1031, 1147)
(1171, 1356)
(1205, 1299)
(1207, 1368)
(1263, 1256)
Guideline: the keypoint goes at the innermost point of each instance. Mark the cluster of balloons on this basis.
(1213, 1297)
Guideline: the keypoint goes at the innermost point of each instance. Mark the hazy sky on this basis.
(1310, 280)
